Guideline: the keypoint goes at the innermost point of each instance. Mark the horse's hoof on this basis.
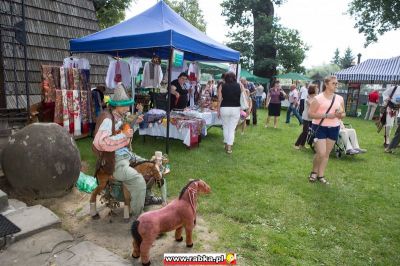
(96, 217)
(189, 246)
(179, 240)
(146, 264)
(135, 257)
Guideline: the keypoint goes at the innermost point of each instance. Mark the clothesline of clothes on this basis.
(123, 70)
(66, 97)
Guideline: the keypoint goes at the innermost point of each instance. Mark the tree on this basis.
(110, 12)
(291, 50)
(348, 59)
(242, 40)
(375, 17)
(336, 57)
(257, 14)
(189, 10)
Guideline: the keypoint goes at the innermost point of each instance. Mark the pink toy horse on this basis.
(176, 215)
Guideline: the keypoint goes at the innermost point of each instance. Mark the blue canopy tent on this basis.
(156, 31)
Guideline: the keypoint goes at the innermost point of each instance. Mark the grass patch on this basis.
(263, 207)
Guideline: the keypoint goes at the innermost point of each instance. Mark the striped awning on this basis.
(373, 71)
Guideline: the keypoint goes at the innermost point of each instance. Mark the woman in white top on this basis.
(301, 140)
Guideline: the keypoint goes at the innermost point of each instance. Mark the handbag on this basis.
(313, 132)
(244, 104)
(281, 96)
(383, 112)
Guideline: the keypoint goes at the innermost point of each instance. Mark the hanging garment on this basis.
(58, 109)
(70, 103)
(48, 85)
(135, 64)
(123, 70)
(74, 62)
(76, 77)
(77, 113)
(152, 75)
(85, 110)
(65, 110)
(194, 72)
(63, 83)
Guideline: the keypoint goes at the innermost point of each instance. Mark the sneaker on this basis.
(296, 147)
(385, 145)
(361, 150)
(388, 150)
(351, 152)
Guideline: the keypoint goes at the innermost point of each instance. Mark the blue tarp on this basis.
(155, 31)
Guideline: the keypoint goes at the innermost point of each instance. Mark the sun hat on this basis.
(120, 97)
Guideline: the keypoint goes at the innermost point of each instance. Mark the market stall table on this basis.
(187, 126)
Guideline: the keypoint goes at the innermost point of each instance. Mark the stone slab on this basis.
(33, 220)
(37, 249)
(3, 201)
(88, 254)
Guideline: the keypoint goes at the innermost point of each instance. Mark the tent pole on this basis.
(168, 99)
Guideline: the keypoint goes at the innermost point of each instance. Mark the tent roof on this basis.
(293, 76)
(373, 71)
(250, 77)
(155, 31)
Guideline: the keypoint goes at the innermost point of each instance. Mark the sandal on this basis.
(153, 200)
(312, 177)
(323, 180)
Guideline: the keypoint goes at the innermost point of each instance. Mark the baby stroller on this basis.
(339, 149)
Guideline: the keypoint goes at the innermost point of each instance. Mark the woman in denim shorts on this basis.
(328, 132)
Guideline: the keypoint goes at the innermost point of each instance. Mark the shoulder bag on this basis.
(311, 132)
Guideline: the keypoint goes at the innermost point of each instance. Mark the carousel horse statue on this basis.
(178, 214)
(153, 172)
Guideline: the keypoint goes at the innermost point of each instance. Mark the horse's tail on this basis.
(135, 232)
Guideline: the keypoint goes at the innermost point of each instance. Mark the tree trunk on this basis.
(264, 53)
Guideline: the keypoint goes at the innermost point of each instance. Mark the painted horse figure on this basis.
(179, 214)
(151, 173)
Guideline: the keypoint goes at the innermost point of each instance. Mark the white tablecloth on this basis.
(158, 130)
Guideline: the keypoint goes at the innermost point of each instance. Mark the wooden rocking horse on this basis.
(115, 192)
(179, 214)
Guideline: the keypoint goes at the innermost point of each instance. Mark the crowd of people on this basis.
(321, 114)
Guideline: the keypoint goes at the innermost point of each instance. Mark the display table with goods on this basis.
(187, 125)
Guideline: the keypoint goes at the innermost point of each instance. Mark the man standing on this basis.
(250, 86)
(293, 104)
(373, 100)
(303, 97)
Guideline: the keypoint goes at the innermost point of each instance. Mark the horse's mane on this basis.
(185, 187)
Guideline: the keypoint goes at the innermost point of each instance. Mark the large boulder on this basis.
(41, 161)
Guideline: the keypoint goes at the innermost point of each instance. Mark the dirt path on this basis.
(73, 209)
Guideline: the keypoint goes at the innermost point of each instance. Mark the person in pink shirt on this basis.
(327, 126)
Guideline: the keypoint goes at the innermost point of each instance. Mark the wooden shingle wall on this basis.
(50, 24)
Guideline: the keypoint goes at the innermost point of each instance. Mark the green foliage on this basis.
(263, 208)
(323, 70)
(336, 57)
(348, 59)
(242, 40)
(290, 48)
(375, 17)
(261, 39)
(189, 10)
(110, 12)
(256, 14)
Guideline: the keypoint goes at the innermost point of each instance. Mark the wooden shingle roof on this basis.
(50, 24)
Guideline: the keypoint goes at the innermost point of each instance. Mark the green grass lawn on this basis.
(263, 208)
